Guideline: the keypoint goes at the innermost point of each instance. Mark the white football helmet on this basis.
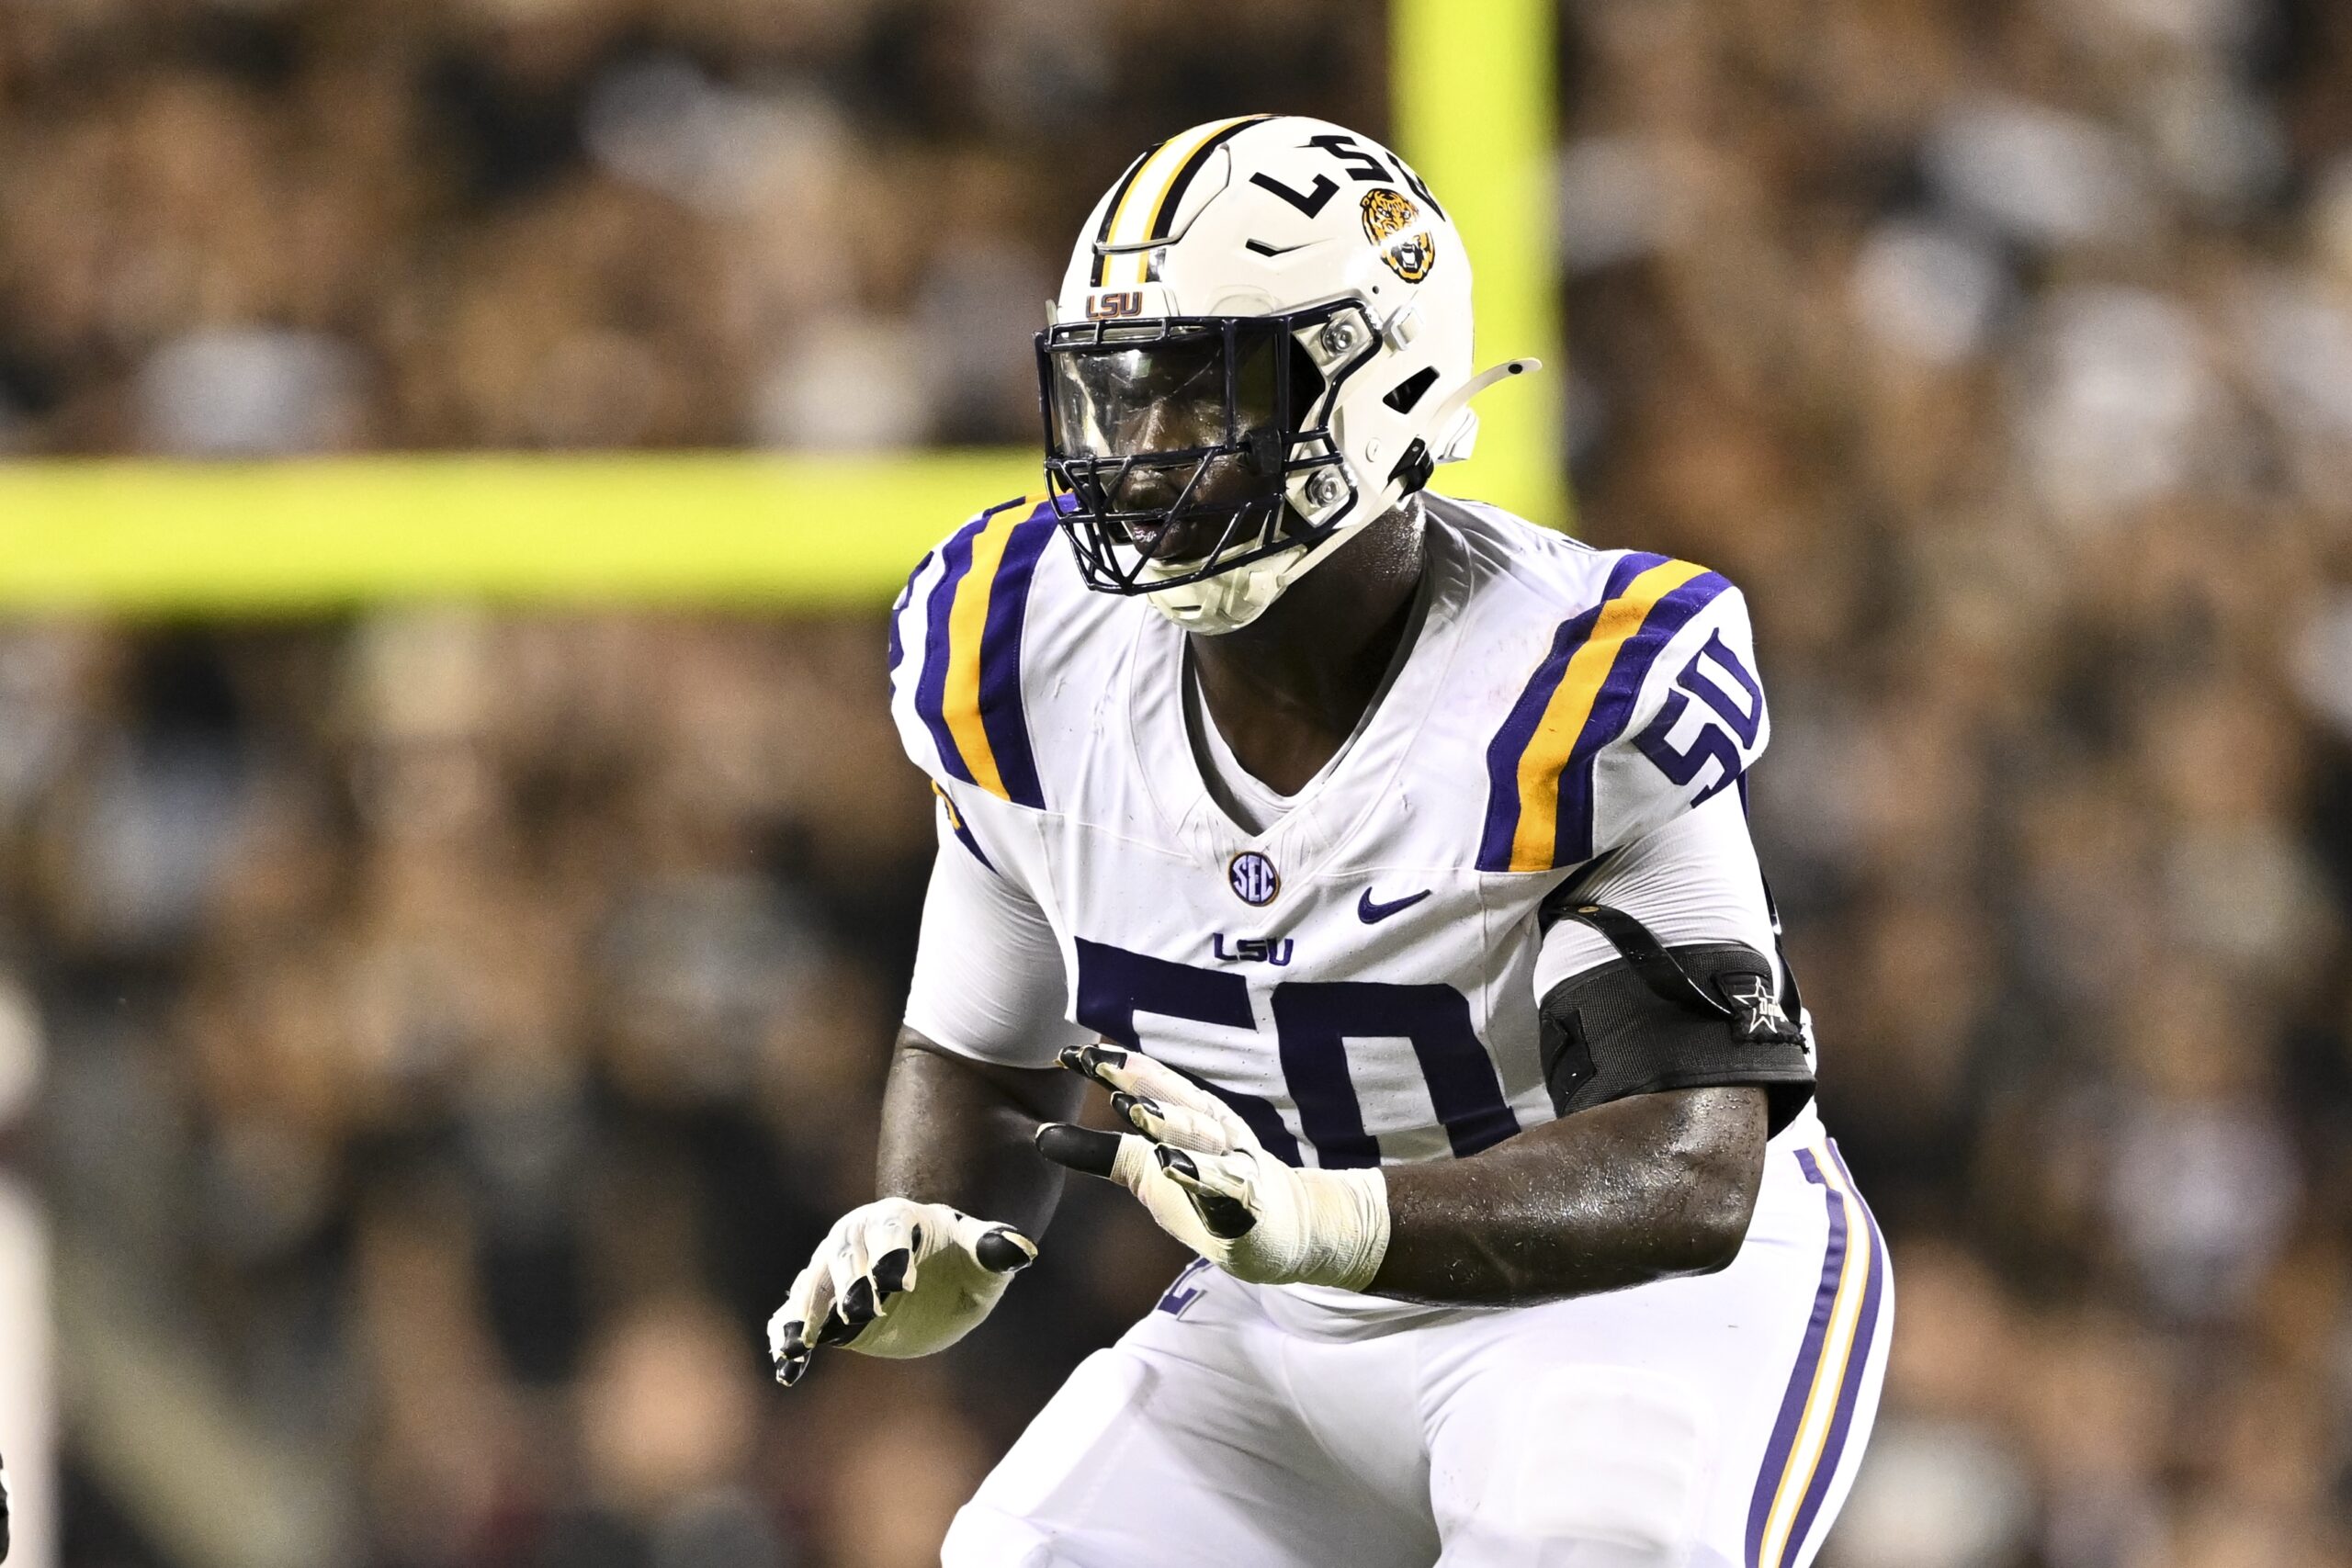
(1262, 343)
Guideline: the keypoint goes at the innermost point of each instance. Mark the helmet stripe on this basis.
(1129, 221)
(1139, 207)
(1110, 209)
(1163, 216)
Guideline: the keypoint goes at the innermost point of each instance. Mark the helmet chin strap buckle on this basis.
(1454, 444)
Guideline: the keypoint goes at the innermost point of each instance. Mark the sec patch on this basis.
(1252, 878)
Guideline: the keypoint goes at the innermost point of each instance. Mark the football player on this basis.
(1385, 856)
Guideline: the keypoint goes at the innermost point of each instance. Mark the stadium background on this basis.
(446, 959)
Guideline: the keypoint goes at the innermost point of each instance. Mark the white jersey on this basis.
(1360, 981)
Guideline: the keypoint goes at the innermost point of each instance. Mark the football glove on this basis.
(898, 1278)
(1209, 1183)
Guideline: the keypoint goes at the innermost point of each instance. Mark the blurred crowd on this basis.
(2004, 355)
(453, 1029)
(254, 227)
(459, 1030)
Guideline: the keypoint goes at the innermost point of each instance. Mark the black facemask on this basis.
(1178, 438)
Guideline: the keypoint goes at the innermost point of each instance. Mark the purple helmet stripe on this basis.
(1173, 198)
(1110, 211)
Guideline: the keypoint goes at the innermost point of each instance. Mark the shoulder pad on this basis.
(955, 635)
(1643, 706)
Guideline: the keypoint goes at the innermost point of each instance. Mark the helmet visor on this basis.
(1186, 394)
(1177, 438)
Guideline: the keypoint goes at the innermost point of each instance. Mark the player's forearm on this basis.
(958, 1131)
(1642, 1188)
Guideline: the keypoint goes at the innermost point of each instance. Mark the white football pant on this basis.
(1703, 1423)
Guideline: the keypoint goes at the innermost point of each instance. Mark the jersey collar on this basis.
(1335, 804)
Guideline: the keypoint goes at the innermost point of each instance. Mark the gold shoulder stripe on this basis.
(1548, 751)
(967, 619)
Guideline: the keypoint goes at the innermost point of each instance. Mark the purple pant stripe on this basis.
(1857, 1364)
(1793, 1400)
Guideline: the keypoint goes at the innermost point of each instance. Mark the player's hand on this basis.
(1209, 1182)
(895, 1277)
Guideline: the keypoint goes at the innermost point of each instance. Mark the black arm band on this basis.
(1658, 1018)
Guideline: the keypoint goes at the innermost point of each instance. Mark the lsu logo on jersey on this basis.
(1386, 215)
(1252, 950)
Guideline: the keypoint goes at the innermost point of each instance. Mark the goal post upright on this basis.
(1473, 100)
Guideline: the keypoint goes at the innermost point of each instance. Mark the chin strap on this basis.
(1455, 446)
(1246, 591)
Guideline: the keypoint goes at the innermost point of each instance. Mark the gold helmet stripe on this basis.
(1138, 214)
(1111, 209)
(1163, 216)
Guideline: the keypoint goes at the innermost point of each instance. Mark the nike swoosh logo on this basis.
(1371, 911)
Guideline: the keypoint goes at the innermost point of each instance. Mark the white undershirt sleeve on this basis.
(1693, 880)
(990, 981)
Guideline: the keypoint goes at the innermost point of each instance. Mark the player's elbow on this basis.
(1717, 1157)
(1719, 1231)
(1710, 1225)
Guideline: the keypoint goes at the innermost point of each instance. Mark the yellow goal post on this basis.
(1473, 90)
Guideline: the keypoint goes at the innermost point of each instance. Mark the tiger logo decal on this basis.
(1387, 214)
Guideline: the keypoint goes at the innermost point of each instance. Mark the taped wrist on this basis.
(1657, 1018)
(1347, 1222)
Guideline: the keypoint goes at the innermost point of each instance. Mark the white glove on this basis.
(1209, 1182)
(895, 1277)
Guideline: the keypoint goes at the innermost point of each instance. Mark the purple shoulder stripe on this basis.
(931, 686)
(1002, 712)
(899, 608)
(1613, 710)
(1512, 740)
(956, 825)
